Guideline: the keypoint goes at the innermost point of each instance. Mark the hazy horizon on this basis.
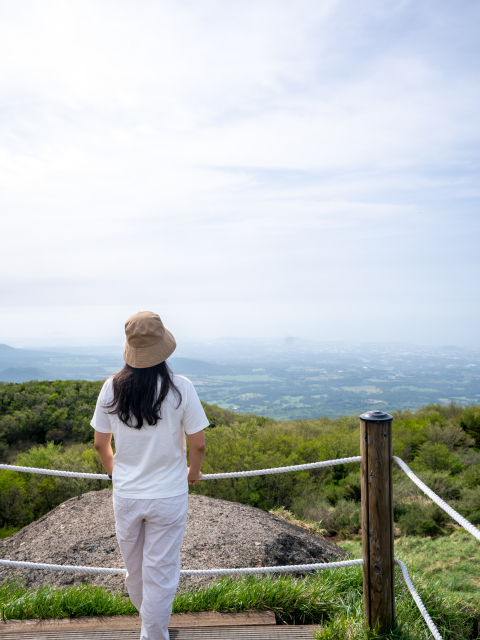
(291, 341)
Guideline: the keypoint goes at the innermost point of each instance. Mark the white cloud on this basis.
(239, 154)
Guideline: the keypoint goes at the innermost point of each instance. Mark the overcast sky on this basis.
(243, 168)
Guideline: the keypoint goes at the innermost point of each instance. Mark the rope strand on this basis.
(186, 572)
(206, 476)
(295, 467)
(418, 600)
(468, 526)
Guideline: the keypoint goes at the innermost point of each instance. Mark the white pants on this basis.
(150, 534)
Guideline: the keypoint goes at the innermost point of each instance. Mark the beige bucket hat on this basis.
(148, 342)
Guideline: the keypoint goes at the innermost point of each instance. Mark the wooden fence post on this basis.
(377, 520)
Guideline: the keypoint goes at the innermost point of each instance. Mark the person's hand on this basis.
(193, 478)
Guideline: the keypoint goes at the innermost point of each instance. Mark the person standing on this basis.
(149, 411)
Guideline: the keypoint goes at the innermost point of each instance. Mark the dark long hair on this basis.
(135, 394)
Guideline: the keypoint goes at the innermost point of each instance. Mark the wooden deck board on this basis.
(260, 632)
(127, 623)
(208, 625)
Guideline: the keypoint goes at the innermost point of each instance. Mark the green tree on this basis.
(469, 420)
(437, 457)
(14, 499)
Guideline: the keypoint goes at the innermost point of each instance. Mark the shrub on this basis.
(471, 477)
(3, 450)
(419, 519)
(469, 420)
(5, 532)
(344, 517)
(442, 483)
(14, 500)
(451, 435)
(469, 505)
(437, 457)
(25, 496)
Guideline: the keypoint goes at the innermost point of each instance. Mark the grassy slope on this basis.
(449, 561)
(333, 598)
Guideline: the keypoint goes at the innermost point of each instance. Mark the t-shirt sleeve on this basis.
(101, 419)
(194, 417)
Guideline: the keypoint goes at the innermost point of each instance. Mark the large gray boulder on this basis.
(220, 534)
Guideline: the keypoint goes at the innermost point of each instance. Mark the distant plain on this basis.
(285, 379)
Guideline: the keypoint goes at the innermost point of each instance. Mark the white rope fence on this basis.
(205, 476)
(260, 472)
(54, 472)
(255, 570)
(16, 564)
(188, 572)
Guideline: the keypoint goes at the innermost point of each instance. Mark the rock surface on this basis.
(220, 534)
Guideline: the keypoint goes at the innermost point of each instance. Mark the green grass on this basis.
(451, 561)
(453, 620)
(20, 603)
(294, 601)
(333, 598)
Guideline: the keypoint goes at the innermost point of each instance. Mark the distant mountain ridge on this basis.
(22, 365)
(6, 351)
(23, 374)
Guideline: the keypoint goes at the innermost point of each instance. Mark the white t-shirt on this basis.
(151, 462)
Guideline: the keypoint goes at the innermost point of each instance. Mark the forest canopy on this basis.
(47, 424)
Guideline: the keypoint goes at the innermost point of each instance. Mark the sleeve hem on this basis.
(101, 430)
(197, 429)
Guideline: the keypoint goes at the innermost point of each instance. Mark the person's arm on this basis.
(103, 445)
(196, 453)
